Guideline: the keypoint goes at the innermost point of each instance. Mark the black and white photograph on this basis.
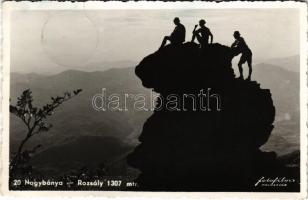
(155, 97)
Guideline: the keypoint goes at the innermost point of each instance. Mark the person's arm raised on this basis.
(195, 28)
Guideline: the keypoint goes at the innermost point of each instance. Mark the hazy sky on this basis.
(54, 41)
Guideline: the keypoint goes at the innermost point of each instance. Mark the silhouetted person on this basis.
(240, 46)
(178, 34)
(202, 34)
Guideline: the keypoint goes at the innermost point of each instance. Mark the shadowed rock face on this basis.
(196, 150)
(177, 69)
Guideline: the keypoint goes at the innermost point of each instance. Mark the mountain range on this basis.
(291, 63)
(77, 121)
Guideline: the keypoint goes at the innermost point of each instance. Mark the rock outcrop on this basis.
(209, 145)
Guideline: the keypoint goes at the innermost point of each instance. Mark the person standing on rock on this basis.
(202, 34)
(240, 46)
(177, 36)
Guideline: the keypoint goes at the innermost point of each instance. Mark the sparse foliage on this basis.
(35, 119)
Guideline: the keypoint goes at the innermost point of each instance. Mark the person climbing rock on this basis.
(202, 34)
(240, 47)
(177, 36)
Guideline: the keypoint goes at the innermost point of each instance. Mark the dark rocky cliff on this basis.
(194, 149)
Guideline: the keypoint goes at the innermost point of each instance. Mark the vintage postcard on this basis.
(154, 98)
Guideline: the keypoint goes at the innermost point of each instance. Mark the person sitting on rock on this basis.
(240, 46)
(177, 36)
(202, 34)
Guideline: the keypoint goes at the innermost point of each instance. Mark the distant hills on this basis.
(284, 86)
(291, 63)
(77, 119)
(85, 151)
(88, 67)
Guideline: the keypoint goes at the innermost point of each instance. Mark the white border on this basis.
(8, 7)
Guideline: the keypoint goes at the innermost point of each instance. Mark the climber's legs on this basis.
(166, 38)
(196, 35)
(249, 58)
(240, 68)
(245, 58)
(201, 41)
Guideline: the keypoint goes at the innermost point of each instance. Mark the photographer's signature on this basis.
(274, 182)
